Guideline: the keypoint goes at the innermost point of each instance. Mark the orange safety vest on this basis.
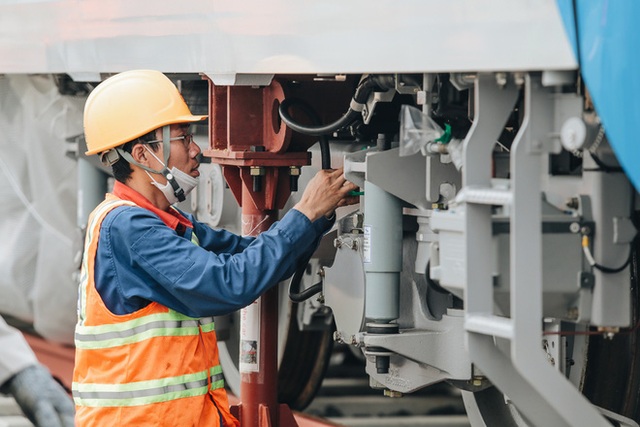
(153, 367)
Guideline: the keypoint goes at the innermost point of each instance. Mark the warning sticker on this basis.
(249, 337)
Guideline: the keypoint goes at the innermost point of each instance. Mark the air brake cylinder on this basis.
(382, 264)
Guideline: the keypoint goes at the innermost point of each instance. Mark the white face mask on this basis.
(185, 182)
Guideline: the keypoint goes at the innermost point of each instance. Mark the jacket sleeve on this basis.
(223, 241)
(218, 240)
(149, 261)
(16, 353)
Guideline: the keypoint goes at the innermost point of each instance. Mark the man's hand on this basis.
(41, 398)
(326, 191)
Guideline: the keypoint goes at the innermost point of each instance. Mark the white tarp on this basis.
(38, 184)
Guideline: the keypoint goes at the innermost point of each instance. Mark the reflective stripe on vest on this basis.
(146, 392)
(140, 329)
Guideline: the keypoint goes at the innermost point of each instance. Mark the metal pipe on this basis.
(92, 185)
(258, 334)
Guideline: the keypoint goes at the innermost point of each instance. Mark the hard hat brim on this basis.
(176, 120)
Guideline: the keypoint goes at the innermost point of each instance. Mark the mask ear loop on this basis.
(166, 148)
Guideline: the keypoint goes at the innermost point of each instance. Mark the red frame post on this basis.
(250, 144)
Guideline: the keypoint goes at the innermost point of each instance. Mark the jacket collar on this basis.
(171, 217)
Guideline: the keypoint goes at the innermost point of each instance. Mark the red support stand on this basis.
(248, 141)
(259, 370)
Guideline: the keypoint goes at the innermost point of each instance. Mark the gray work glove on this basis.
(40, 397)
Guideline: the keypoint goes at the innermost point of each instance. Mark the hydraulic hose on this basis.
(295, 283)
(368, 85)
(348, 118)
(325, 152)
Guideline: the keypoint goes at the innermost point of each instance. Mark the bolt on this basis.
(337, 243)
(573, 203)
(501, 79)
(518, 78)
(574, 227)
(392, 393)
(294, 170)
(294, 174)
(257, 184)
(608, 332)
(585, 230)
(573, 313)
(256, 170)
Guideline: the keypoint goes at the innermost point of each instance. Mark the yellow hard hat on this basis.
(129, 105)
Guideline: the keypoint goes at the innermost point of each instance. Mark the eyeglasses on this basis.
(186, 140)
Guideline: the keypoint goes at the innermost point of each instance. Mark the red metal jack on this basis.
(248, 141)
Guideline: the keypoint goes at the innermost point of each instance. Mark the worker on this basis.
(41, 398)
(153, 276)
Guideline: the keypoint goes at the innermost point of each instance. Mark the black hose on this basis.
(306, 294)
(325, 152)
(342, 122)
(610, 270)
(373, 83)
(604, 167)
(364, 89)
(295, 283)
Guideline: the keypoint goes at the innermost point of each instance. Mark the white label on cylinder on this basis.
(250, 337)
(366, 246)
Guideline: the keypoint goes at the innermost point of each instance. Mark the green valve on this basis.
(356, 193)
(446, 136)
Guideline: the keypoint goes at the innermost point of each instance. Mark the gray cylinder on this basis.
(382, 253)
(92, 185)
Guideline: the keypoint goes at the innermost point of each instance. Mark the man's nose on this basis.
(194, 149)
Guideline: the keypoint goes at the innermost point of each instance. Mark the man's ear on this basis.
(139, 154)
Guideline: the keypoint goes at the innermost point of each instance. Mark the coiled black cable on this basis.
(349, 117)
(367, 85)
(325, 152)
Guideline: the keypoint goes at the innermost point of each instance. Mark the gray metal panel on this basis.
(226, 37)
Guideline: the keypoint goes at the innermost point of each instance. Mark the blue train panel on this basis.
(605, 35)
